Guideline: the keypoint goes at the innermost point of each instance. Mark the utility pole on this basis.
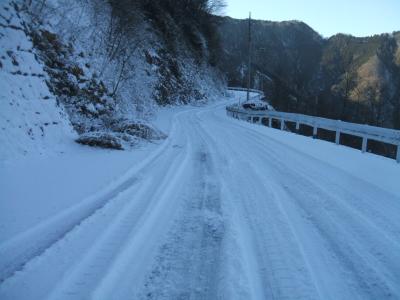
(249, 62)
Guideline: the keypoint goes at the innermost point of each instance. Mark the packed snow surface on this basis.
(222, 209)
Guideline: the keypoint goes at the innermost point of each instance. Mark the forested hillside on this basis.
(111, 64)
(343, 77)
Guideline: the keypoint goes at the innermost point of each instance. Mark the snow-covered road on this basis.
(222, 210)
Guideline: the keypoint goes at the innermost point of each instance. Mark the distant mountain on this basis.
(343, 77)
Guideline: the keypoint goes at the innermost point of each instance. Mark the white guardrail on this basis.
(260, 94)
(366, 132)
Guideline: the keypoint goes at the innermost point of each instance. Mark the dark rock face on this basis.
(86, 99)
(343, 77)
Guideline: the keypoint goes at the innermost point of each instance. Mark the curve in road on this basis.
(223, 211)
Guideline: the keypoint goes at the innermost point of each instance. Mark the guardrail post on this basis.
(364, 144)
(315, 131)
(398, 154)
(337, 137)
(269, 122)
(297, 126)
(282, 124)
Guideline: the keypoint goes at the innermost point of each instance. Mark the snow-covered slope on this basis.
(137, 61)
(59, 70)
(31, 121)
(67, 64)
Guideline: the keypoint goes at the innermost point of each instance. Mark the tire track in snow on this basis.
(226, 199)
(72, 239)
(111, 244)
(15, 254)
(63, 254)
(368, 209)
(127, 273)
(284, 275)
(383, 213)
(188, 264)
(243, 277)
(18, 251)
(371, 282)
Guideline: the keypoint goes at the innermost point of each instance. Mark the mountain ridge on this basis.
(344, 77)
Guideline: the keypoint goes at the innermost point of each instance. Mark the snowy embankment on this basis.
(38, 186)
(30, 119)
(221, 209)
(42, 170)
(40, 164)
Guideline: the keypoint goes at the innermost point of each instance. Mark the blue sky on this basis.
(356, 17)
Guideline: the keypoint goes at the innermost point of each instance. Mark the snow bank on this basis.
(37, 187)
(31, 122)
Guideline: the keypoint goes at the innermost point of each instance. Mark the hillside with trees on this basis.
(342, 77)
(109, 64)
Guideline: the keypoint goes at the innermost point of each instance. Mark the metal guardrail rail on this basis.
(366, 132)
(231, 88)
(259, 96)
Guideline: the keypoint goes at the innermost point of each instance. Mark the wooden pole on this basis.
(249, 61)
